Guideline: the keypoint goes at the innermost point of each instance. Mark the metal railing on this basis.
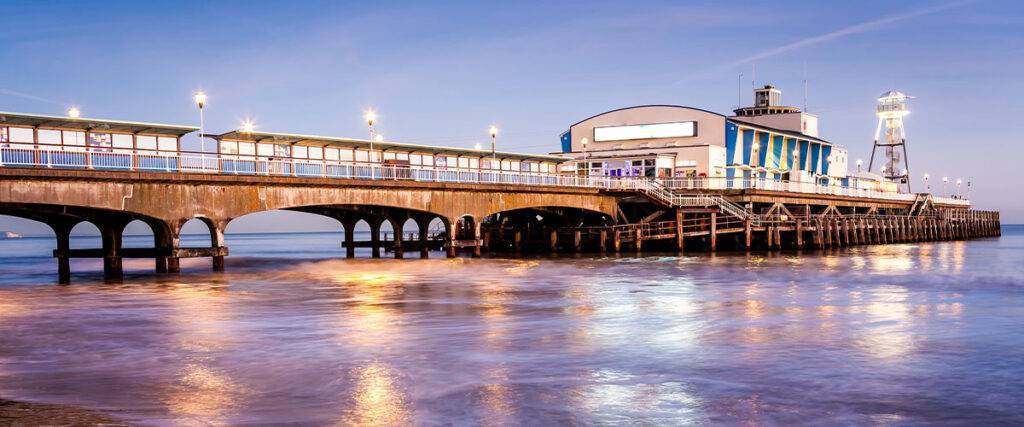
(665, 189)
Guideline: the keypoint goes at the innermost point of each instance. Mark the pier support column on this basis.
(62, 229)
(350, 236)
(577, 243)
(680, 241)
(375, 236)
(399, 252)
(747, 234)
(423, 224)
(639, 240)
(111, 234)
(603, 237)
(517, 241)
(478, 243)
(617, 243)
(553, 241)
(217, 240)
(799, 233)
(714, 231)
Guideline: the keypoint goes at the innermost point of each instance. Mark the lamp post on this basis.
(248, 126)
(958, 183)
(494, 143)
(945, 180)
(859, 163)
(371, 118)
(926, 184)
(200, 99)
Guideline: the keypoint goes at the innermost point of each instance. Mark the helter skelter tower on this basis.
(892, 106)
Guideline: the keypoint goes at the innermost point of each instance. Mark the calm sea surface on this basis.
(892, 334)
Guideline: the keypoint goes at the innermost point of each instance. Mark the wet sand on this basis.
(34, 414)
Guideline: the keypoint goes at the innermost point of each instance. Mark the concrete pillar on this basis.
(350, 237)
(553, 240)
(450, 229)
(375, 237)
(63, 232)
(398, 231)
(111, 235)
(517, 241)
(577, 243)
(603, 237)
(639, 240)
(424, 229)
(617, 243)
(477, 244)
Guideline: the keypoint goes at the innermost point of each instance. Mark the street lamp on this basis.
(859, 163)
(248, 126)
(200, 100)
(584, 142)
(958, 182)
(494, 142)
(926, 184)
(945, 180)
(74, 112)
(371, 117)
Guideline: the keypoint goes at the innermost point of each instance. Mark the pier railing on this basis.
(236, 164)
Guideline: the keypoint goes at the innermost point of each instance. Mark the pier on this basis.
(487, 203)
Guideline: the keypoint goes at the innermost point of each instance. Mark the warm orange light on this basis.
(370, 117)
(74, 112)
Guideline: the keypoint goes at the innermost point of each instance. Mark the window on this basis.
(362, 156)
(3, 134)
(265, 150)
(21, 135)
(463, 162)
(440, 161)
(145, 142)
(474, 163)
(316, 153)
(166, 143)
(247, 148)
(331, 154)
(121, 140)
(49, 137)
(300, 152)
(228, 147)
(346, 155)
(101, 142)
(524, 167)
(74, 138)
(452, 162)
(281, 150)
(389, 156)
(415, 159)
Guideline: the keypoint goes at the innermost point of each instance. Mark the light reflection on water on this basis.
(879, 334)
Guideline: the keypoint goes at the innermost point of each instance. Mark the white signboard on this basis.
(650, 131)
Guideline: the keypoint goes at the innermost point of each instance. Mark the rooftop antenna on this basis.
(753, 81)
(805, 86)
(739, 91)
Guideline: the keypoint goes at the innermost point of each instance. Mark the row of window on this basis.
(271, 151)
(73, 140)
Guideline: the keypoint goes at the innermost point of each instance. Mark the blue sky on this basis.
(442, 73)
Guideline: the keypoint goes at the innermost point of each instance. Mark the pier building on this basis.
(767, 140)
(637, 179)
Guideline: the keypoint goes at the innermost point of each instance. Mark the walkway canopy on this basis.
(383, 146)
(87, 124)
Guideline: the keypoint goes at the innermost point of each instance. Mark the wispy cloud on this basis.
(29, 96)
(824, 38)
